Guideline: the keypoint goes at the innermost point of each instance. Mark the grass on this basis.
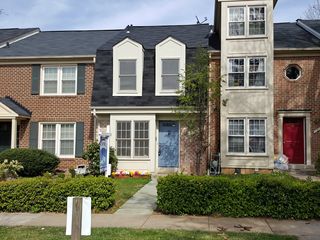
(38, 233)
(125, 189)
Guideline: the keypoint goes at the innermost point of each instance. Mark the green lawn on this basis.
(125, 189)
(37, 233)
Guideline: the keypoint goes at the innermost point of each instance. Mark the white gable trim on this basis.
(169, 48)
(6, 113)
(127, 50)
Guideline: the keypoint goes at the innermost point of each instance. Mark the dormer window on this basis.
(247, 21)
(170, 66)
(128, 57)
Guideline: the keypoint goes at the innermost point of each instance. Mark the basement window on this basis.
(293, 72)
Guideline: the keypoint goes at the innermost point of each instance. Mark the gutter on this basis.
(308, 29)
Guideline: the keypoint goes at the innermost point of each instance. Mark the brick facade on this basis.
(302, 94)
(15, 81)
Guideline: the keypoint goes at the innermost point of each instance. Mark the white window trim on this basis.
(58, 139)
(132, 118)
(162, 53)
(59, 80)
(121, 52)
(247, 137)
(247, 20)
(247, 72)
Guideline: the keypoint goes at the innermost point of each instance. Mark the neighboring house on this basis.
(46, 85)
(270, 98)
(135, 91)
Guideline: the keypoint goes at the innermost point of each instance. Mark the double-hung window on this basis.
(247, 72)
(247, 136)
(59, 80)
(170, 74)
(132, 139)
(246, 21)
(127, 76)
(58, 138)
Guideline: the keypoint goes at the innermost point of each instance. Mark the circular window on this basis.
(293, 72)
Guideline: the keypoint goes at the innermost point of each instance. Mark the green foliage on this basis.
(9, 169)
(93, 156)
(50, 195)
(72, 172)
(193, 102)
(317, 164)
(35, 162)
(274, 195)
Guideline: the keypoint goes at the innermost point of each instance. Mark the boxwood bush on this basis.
(50, 195)
(275, 195)
(35, 162)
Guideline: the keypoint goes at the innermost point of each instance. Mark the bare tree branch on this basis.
(313, 12)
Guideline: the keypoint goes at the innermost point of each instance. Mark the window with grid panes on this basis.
(236, 74)
(236, 21)
(257, 21)
(141, 138)
(123, 139)
(236, 136)
(49, 138)
(257, 136)
(128, 76)
(170, 74)
(257, 72)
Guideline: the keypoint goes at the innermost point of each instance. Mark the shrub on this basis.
(317, 164)
(274, 195)
(50, 195)
(93, 156)
(9, 169)
(35, 162)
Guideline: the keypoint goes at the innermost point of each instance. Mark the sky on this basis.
(115, 14)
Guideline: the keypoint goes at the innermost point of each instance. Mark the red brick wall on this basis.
(303, 94)
(15, 81)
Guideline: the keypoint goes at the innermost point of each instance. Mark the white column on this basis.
(13, 133)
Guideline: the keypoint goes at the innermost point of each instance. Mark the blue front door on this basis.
(168, 144)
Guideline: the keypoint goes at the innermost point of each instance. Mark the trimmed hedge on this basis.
(35, 162)
(275, 195)
(50, 195)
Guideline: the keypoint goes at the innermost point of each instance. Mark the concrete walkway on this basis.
(138, 213)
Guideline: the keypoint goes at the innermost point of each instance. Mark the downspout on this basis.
(94, 124)
(308, 29)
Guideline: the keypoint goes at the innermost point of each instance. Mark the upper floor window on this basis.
(127, 75)
(59, 80)
(170, 66)
(247, 21)
(128, 59)
(247, 72)
(293, 72)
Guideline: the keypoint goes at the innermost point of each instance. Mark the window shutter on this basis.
(33, 136)
(79, 138)
(81, 79)
(35, 86)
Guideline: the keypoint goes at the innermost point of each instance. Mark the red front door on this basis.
(293, 140)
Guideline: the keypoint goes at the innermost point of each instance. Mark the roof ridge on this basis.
(90, 30)
(171, 25)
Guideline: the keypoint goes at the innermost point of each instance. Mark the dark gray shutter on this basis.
(81, 88)
(33, 136)
(35, 86)
(79, 138)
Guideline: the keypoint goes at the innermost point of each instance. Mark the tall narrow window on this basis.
(257, 72)
(127, 75)
(257, 21)
(170, 74)
(236, 136)
(67, 139)
(69, 79)
(236, 72)
(49, 138)
(236, 21)
(123, 138)
(257, 136)
(141, 138)
(50, 80)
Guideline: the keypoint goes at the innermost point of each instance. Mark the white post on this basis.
(108, 172)
(13, 133)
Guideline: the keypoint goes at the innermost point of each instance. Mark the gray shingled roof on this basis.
(149, 36)
(59, 43)
(15, 106)
(314, 24)
(12, 33)
(290, 35)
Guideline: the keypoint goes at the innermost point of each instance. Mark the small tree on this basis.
(193, 103)
(313, 11)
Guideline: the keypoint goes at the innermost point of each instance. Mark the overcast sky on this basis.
(110, 14)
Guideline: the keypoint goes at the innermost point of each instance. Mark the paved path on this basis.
(138, 213)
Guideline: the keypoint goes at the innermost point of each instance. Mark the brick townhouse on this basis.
(59, 90)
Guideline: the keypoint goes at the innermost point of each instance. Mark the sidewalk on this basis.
(138, 213)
